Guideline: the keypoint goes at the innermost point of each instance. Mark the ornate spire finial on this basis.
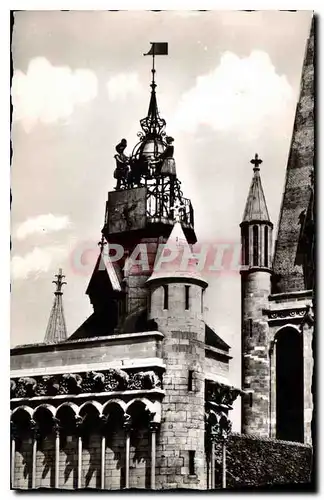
(59, 283)
(153, 124)
(256, 161)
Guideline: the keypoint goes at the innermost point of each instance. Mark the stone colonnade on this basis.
(47, 420)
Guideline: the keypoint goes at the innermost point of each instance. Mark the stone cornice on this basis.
(294, 314)
(307, 294)
(214, 350)
(70, 344)
(128, 364)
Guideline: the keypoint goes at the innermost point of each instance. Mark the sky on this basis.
(228, 89)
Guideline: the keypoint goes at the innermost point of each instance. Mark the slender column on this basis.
(79, 485)
(56, 429)
(153, 429)
(13, 453)
(79, 423)
(103, 451)
(272, 398)
(34, 432)
(224, 464)
(212, 465)
(127, 427)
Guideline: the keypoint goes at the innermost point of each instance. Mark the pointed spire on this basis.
(256, 207)
(176, 260)
(56, 328)
(300, 164)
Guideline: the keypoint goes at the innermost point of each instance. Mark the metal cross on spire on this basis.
(102, 243)
(256, 161)
(59, 282)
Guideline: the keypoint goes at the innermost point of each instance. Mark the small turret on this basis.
(176, 305)
(256, 237)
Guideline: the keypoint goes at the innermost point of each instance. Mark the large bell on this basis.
(152, 147)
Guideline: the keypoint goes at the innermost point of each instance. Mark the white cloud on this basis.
(42, 224)
(47, 93)
(39, 260)
(238, 95)
(123, 84)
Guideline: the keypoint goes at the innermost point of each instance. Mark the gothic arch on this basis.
(73, 407)
(45, 406)
(154, 408)
(25, 409)
(114, 402)
(289, 386)
(94, 404)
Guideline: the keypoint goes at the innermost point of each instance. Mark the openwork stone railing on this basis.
(87, 382)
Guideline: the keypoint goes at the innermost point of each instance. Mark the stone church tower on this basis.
(277, 294)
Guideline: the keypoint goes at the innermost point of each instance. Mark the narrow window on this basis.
(266, 246)
(187, 287)
(190, 379)
(255, 245)
(202, 301)
(166, 297)
(246, 249)
(192, 471)
(250, 399)
(250, 327)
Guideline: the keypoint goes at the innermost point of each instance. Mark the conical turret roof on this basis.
(256, 207)
(175, 259)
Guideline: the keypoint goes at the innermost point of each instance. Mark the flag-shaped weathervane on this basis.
(158, 49)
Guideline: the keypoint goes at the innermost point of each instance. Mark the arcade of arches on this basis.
(91, 445)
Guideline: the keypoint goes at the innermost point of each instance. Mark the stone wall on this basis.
(115, 349)
(255, 353)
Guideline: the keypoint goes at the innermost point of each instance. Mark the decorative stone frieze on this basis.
(221, 394)
(79, 383)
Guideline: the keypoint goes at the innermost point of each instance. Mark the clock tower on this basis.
(139, 217)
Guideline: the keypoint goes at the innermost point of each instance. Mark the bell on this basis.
(152, 147)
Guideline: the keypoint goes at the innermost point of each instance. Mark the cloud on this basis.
(39, 260)
(123, 84)
(240, 94)
(42, 224)
(48, 93)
